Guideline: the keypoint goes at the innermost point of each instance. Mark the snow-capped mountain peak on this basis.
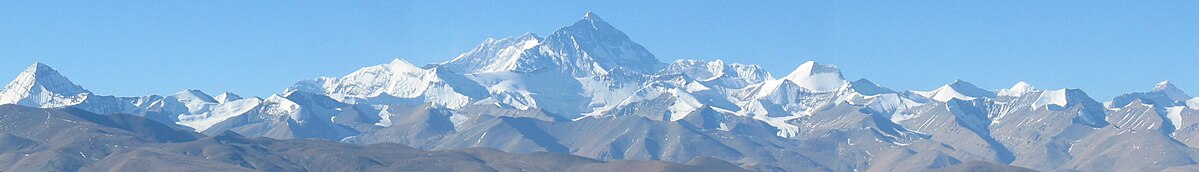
(588, 47)
(592, 17)
(1017, 90)
(1022, 86)
(592, 46)
(42, 86)
(818, 77)
(277, 105)
(1170, 91)
(961, 90)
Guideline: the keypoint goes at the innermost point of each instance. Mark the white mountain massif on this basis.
(587, 89)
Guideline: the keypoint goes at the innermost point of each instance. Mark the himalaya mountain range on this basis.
(589, 90)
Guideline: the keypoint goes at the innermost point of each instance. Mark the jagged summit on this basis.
(42, 86)
(719, 72)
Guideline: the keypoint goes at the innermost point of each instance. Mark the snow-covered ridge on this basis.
(494, 55)
(398, 79)
(730, 75)
(519, 89)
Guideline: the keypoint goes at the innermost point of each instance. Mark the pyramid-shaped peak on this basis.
(591, 47)
(592, 23)
(41, 69)
(964, 86)
(959, 82)
(1171, 91)
(962, 90)
(44, 75)
(810, 68)
(39, 66)
(814, 76)
(1164, 85)
(42, 86)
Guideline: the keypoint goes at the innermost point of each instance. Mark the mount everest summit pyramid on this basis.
(588, 89)
(590, 46)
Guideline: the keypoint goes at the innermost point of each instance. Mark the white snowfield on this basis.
(589, 71)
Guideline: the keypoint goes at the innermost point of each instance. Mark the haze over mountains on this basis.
(589, 90)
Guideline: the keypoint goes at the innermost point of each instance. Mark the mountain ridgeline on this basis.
(589, 90)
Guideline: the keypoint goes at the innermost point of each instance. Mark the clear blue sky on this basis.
(258, 48)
